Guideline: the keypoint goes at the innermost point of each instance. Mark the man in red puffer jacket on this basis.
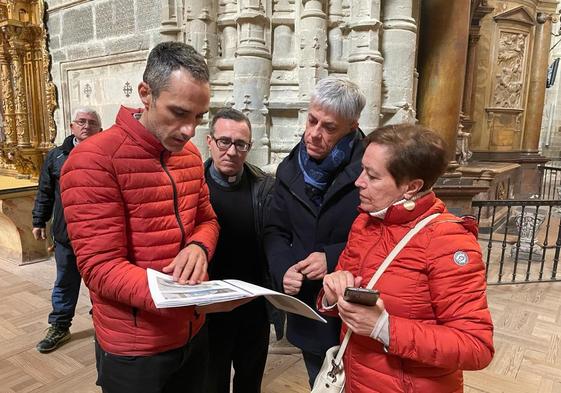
(135, 198)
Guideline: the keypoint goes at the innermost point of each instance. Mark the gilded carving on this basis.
(510, 61)
(25, 85)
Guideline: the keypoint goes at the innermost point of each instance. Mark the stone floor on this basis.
(527, 338)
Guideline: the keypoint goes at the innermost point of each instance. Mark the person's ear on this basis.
(145, 94)
(208, 141)
(413, 187)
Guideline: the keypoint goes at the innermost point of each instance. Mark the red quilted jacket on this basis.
(439, 321)
(131, 205)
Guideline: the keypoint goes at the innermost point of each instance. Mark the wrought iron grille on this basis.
(520, 240)
(550, 183)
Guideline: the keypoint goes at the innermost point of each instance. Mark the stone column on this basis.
(536, 92)
(252, 75)
(313, 46)
(442, 61)
(172, 19)
(200, 17)
(365, 59)
(399, 42)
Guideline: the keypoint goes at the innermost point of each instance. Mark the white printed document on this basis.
(167, 293)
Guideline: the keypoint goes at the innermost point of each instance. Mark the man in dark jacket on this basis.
(314, 205)
(240, 195)
(48, 204)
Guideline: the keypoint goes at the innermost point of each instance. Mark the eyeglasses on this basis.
(83, 122)
(225, 143)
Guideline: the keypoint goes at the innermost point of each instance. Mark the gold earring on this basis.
(409, 205)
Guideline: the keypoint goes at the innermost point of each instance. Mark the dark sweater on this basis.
(236, 255)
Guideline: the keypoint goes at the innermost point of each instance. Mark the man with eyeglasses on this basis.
(239, 193)
(48, 204)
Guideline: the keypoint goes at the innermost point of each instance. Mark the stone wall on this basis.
(265, 56)
(98, 51)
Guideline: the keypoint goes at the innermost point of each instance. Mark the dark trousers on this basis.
(239, 338)
(181, 370)
(313, 364)
(66, 288)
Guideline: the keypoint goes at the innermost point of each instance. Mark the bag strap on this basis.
(389, 259)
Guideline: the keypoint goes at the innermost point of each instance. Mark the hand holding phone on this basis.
(364, 296)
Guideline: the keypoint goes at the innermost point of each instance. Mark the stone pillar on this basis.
(172, 20)
(536, 93)
(200, 17)
(313, 46)
(252, 75)
(365, 59)
(443, 50)
(399, 42)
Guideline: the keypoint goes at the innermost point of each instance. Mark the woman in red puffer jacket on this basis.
(432, 320)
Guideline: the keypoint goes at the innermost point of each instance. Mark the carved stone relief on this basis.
(266, 56)
(510, 62)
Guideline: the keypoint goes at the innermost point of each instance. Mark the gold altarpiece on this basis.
(27, 95)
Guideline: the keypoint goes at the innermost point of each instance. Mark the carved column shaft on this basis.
(8, 108)
(467, 101)
(399, 43)
(536, 92)
(443, 44)
(313, 46)
(252, 76)
(365, 59)
(20, 99)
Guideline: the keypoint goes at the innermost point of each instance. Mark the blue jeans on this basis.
(313, 364)
(67, 287)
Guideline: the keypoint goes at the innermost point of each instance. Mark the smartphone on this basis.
(366, 297)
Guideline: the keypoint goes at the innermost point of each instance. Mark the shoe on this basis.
(56, 336)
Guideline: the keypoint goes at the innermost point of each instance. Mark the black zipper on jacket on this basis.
(175, 202)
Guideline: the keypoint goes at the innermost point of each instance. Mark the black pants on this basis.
(181, 370)
(241, 338)
(313, 364)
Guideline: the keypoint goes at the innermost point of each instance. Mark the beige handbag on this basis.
(331, 376)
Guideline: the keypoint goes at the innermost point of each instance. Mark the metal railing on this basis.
(550, 181)
(520, 240)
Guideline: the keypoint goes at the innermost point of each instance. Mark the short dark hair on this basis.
(416, 152)
(230, 114)
(167, 57)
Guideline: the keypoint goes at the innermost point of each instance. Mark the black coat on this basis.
(47, 200)
(296, 228)
(261, 193)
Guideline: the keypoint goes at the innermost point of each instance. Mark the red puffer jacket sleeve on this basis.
(94, 213)
(206, 226)
(462, 337)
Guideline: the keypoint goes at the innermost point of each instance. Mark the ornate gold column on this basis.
(444, 36)
(7, 98)
(536, 93)
(28, 94)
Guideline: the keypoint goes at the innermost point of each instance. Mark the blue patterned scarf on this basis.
(318, 175)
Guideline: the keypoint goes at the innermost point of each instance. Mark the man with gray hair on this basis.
(314, 205)
(48, 204)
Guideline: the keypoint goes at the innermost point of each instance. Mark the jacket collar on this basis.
(426, 205)
(252, 170)
(68, 144)
(291, 175)
(127, 120)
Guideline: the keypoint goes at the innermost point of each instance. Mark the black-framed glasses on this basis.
(225, 143)
(83, 122)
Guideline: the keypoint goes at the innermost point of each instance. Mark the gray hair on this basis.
(87, 110)
(340, 96)
(229, 114)
(167, 57)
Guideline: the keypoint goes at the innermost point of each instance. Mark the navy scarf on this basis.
(318, 175)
